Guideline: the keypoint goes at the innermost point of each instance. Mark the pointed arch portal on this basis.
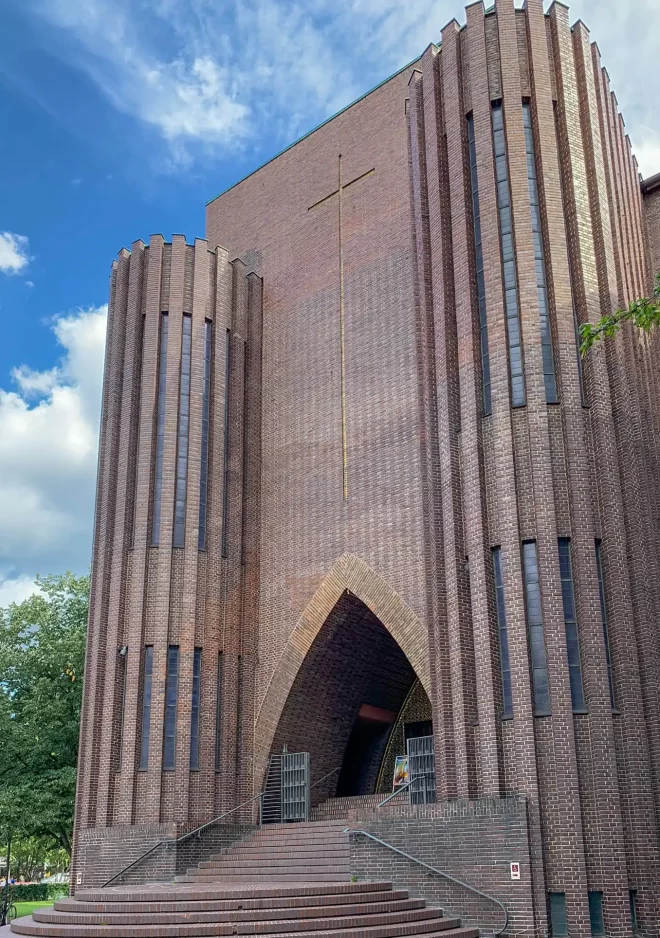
(345, 674)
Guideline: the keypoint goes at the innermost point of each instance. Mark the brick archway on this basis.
(349, 575)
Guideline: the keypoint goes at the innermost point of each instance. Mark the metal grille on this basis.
(295, 786)
(271, 803)
(421, 768)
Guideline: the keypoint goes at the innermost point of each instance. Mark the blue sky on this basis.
(121, 118)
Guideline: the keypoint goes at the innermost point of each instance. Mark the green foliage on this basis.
(644, 313)
(31, 856)
(42, 643)
(38, 892)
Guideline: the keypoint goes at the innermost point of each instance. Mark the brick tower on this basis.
(354, 479)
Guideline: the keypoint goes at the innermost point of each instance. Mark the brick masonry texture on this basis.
(336, 576)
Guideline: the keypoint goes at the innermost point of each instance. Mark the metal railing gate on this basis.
(421, 769)
(295, 786)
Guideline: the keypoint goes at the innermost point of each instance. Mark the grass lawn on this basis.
(27, 908)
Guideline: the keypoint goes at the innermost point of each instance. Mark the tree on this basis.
(42, 645)
(644, 313)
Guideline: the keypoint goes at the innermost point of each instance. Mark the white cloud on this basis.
(16, 589)
(210, 75)
(49, 433)
(13, 252)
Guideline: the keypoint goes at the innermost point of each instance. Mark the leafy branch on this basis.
(644, 313)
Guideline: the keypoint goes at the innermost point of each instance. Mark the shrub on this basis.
(39, 892)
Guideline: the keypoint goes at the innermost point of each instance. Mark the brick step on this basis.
(308, 904)
(299, 837)
(238, 893)
(274, 860)
(231, 927)
(278, 878)
(302, 871)
(303, 825)
(28, 926)
(277, 850)
(136, 916)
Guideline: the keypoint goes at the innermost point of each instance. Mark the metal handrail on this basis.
(448, 876)
(179, 840)
(397, 792)
(323, 777)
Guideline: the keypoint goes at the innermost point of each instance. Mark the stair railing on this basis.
(323, 777)
(197, 832)
(433, 869)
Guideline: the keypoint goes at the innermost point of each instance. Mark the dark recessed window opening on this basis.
(146, 706)
(194, 716)
(182, 436)
(218, 717)
(603, 612)
(596, 913)
(204, 466)
(479, 270)
(171, 690)
(160, 430)
(509, 271)
(558, 924)
(537, 652)
(225, 471)
(505, 666)
(571, 626)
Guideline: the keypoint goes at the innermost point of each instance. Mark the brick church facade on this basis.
(354, 477)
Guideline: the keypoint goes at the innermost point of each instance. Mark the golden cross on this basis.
(339, 192)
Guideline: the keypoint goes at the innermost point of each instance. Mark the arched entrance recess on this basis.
(344, 674)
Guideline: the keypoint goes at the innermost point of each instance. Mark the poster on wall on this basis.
(400, 771)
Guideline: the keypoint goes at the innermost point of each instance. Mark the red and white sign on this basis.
(515, 871)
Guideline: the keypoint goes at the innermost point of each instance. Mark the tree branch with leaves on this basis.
(644, 313)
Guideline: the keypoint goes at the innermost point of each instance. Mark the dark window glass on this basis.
(146, 706)
(603, 612)
(539, 260)
(479, 263)
(182, 440)
(632, 893)
(225, 472)
(507, 698)
(218, 717)
(570, 624)
(558, 924)
(171, 689)
(204, 467)
(122, 679)
(160, 429)
(596, 913)
(194, 719)
(537, 651)
(509, 272)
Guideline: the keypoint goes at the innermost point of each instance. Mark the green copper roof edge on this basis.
(314, 129)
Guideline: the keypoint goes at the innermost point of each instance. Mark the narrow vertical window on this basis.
(194, 717)
(570, 624)
(558, 924)
(225, 472)
(509, 272)
(596, 913)
(218, 717)
(537, 651)
(146, 706)
(204, 467)
(603, 613)
(122, 679)
(632, 895)
(479, 269)
(171, 690)
(539, 261)
(505, 666)
(160, 429)
(182, 439)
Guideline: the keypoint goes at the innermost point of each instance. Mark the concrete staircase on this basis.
(285, 880)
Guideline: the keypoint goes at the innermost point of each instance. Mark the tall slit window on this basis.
(505, 665)
(122, 682)
(194, 718)
(204, 467)
(479, 265)
(539, 261)
(160, 429)
(218, 717)
(603, 612)
(171, 690)
(570, 624)
(225, 473)
(146, 706)
(537, 652)
(509, 272)
(182, 441)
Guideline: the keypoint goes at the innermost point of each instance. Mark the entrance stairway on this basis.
(285, 880)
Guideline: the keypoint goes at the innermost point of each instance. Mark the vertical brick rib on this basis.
(525, 770)
(601, 809)
(124, 463)
(444, 628)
